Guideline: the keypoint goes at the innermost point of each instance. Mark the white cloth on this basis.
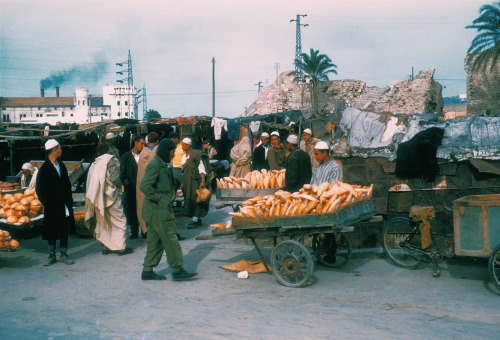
(103, 202)
(255, 127)
(32, 182)
(218, 125)
(136, 157)
(201, 166)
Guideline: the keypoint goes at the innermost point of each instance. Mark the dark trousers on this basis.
(129, 201)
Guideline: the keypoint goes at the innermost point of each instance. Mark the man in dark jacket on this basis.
(157, 186)
(53, 188)
(128, 177)
(298, 166)
(259, 158)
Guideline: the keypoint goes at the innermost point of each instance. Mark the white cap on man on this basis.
(321, 146)
(50, 144)
(110, 135)
(187, 141)
(308, 131)
(292, 139)
(264, 134)
(275, 133)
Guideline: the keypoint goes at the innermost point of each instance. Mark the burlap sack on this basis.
(253, 267)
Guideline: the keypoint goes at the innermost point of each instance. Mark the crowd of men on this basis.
(138, 188)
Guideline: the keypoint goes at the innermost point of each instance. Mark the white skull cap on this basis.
(321, 146)
(50, 144)
(293, 139)
(187, 141)
(308, 131)
(110, 135)
(264, 134)
(275, 133)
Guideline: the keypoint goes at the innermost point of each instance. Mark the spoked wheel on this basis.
(292, 264)
(332, 250)
(401, 242)
(494, 267)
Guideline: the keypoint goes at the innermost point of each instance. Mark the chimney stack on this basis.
(42, 93)
(57, 91)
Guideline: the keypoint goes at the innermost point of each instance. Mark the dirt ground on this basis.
(103, 297)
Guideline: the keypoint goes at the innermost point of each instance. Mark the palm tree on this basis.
(314, 67)
(486, 45)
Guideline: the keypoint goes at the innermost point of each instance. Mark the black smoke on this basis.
(85, 73)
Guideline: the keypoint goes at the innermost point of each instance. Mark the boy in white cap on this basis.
(276, 153)
(28, 177)
(53, 188)
(307, 144)
(259, 158)
(194, 171)
(298, 166)
(327, 169)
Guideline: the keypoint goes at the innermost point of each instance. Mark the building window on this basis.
(78, 102)
(71, 115)
(126, 114)
(118, 114)
(126, 102)
(3, 108)
(83, 102)
(118, 102)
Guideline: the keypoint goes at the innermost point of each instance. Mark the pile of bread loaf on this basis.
(20, 207)
(6, 186)
(311, 199)
(254, 180)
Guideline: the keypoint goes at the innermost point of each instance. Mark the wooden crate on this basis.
(476, 223)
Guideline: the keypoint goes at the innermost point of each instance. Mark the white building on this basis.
(118, 101)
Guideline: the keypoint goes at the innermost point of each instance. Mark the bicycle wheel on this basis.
(401, 242)
(332, 255)
(494, 267)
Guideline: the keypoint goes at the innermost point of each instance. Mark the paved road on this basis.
(102, 297)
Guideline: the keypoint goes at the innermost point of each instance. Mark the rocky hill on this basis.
(420, 95)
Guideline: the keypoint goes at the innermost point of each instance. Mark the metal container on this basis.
(476, 222)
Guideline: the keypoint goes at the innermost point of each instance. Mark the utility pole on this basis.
(298, 43)
(277, 68)
(259, 85)
(130, 82)
(213, 87)
(144, 102)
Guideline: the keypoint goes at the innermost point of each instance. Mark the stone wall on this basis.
(420, 95)
(483, 89)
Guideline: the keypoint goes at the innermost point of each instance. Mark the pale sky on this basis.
(173, 42)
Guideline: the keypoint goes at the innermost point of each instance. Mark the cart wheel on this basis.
(292, 264)
(494, 267)
(401, 242)
(330, 254)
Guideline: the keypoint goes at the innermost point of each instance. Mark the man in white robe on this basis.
(103, 203)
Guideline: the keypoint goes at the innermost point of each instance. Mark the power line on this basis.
(195, 93)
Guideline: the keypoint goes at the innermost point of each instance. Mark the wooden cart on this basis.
(476, 221)
(292, 262)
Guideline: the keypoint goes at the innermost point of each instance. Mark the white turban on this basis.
(187, 141)
(293, 139)
(264, 134)
(28, 166)
(275, 133)
(50, 144)
(308, 131)
(110, 135)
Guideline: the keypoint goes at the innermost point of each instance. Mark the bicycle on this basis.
(402, 244)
